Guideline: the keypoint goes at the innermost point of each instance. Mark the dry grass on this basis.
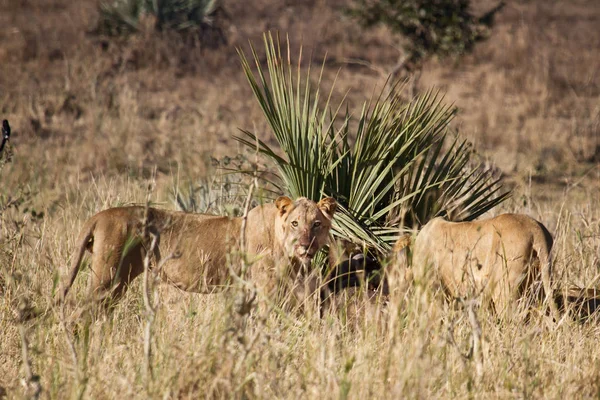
(200, 350)
(530, 96)
(92, 121)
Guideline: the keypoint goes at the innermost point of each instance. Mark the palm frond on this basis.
(396, 169)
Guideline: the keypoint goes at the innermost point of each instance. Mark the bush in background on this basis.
(441, 27)
(119, 17)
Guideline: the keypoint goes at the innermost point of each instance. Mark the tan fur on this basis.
(498, 258)
(398, 275)
(284, 234)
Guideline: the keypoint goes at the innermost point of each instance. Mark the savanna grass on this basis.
(416, 346)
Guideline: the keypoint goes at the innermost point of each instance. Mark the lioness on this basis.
(499, 258)
(284, 233)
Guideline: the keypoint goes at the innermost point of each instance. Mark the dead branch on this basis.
(31, 382)
(150, 313)
(476, 331)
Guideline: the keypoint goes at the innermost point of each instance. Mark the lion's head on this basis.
(302, 226)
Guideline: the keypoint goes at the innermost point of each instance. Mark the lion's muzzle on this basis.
(305, 249)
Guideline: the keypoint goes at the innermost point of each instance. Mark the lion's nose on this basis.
(305, 242)
(305, 246)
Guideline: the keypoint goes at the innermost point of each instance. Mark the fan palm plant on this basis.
(393, 169)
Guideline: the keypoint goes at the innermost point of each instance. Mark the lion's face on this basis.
(303, 226)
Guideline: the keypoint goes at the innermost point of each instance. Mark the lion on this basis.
(498, 258)
(581, 303)
(355, 287)
(192, 250)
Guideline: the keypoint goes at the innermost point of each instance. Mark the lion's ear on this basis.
(402, 243)
(327, 205)
(283, 204)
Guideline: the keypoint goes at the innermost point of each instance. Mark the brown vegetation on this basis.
(92, 119)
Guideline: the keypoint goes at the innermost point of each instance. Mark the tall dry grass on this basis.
(416, 346)
(529, 96)
(91, 122)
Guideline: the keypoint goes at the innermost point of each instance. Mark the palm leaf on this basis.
(396, 170)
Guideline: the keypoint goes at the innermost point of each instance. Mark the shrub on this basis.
(442, 27)
(396, 169)
(119, 17)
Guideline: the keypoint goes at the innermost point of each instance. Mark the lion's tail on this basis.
(82, 244)
(543, 246)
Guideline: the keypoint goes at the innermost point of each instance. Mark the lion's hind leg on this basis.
(117, 259)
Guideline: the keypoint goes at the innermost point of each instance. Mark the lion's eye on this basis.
(295, 224)
(317, 224)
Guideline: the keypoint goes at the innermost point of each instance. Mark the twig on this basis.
(243, 230)
(476, 351)
(400, 65)
(364, 63)
(452, 341)
(31, 382)
(477, 338)
(23, 311)
(150, 314)
(247, 294)
(70, 344)
(149, 307)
